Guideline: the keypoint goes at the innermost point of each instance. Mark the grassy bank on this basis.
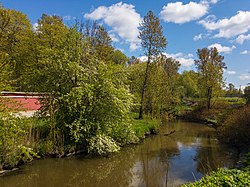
(216, 115)
(145, 127)
(23, 139)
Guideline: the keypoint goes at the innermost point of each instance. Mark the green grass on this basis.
(233, 100)
(144, 126)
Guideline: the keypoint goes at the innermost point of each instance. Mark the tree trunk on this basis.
(144, 89)
(209, 97)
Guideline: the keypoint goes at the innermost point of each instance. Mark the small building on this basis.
(25, 103)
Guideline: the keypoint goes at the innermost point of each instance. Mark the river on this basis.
(184, 156)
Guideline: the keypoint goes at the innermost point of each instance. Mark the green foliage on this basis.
(247, 161)
(188, 82)
(145, 126)
(247, 94)
(99, 106)
(151, 35)
(162, 92)
(13, 145)
(153, 43)
(119, 58)
(210, 67)
(236, 128)
(102, 145)
(100, 43)
(225, 178)
(15, 49)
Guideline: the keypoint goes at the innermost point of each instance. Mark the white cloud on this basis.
(184, 59)
(214, 1)
(123, 19)
(143, 58)
(241, 38)
(245, 52)
(231, 72)
(244, 77)
(133, 46)
(236, 25)
(68, 18)
(222, 49)
(198, 37)
(209, 1)
(34, 26)
(120, 49)
(181, 13)
(113, 37)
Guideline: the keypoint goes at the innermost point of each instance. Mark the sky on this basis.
(187, 25)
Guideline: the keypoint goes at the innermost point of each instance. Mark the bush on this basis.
(225, 178)
(236, 128)
(102, 145)
(14, 147)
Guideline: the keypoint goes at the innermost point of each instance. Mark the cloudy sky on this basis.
(188, 25)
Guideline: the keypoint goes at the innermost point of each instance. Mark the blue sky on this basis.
(188, 25)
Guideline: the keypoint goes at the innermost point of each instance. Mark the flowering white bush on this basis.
(102, 145)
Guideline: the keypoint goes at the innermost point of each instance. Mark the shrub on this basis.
(14, 146)
(102, 145)
(225, 178)
(236, 128)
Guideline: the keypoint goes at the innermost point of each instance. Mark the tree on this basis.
(210, 67)
(15, 47)
(162, 91)
(119, 58)
(99, 40)
(189, 83)
(231, 90)
(153, 43)
(247, 93)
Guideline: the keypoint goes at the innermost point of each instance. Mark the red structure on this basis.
(22, 101)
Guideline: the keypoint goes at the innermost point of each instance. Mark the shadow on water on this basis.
(184, 156)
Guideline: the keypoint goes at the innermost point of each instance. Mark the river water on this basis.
(184, 156)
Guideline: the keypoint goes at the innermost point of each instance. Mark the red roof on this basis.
(23, 101)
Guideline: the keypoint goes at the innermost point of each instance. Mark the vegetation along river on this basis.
(159, 160)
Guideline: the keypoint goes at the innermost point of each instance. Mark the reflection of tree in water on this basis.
(154, 160)
(151, 163)
(78, 172)
(211, 156)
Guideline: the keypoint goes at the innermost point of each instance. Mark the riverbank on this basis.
(232, 129)
(195, 110)
(155, 161)
(37, 144)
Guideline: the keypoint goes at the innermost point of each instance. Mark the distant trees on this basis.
(232, 91)
(210, 67)
(153, 43)
(188, 82)
(162, 93)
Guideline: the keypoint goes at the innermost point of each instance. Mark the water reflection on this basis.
(184, 156)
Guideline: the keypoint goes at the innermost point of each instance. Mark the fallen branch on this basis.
(172, 132)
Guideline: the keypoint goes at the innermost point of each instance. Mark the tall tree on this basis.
(210, 67)
(99, 40)
(15, 46)
(153, 43)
